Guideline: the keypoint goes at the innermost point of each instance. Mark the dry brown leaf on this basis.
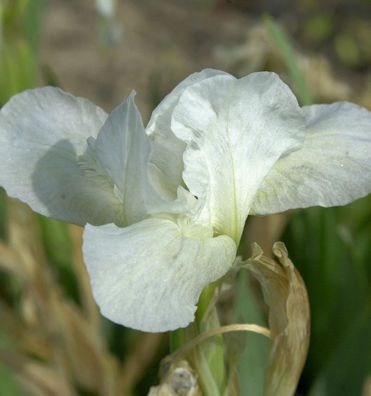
(53, 328)
(83, 350)
(9, 260)
(44, 380)
(36, 378)
(24, 237)
(89, 306)
(27, 340)
(289, 318)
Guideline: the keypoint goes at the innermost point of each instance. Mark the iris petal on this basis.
(235, 130)
(332, 168)
(149, 275)
(46, 159)
(167, 150)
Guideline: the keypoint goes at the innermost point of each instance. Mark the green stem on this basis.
(209, 356)
(176, 339)
(204, 302)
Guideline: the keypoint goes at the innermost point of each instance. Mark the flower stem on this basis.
(204, 302)
(209, 356)
(176, 340)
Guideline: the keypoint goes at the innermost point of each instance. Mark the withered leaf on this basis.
(289, 318)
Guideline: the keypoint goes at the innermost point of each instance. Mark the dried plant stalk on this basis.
(289, 318)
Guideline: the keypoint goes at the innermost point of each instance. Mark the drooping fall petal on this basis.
(332, 168)
(149, 275)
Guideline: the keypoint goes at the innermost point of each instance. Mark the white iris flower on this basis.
(164, 207)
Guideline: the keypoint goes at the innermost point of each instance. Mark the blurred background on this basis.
(52, 339)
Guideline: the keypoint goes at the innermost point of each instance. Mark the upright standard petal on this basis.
(122, 147)
(149, 275)
(235, 130)
(167, 150)
(46, 160)
(332, 168)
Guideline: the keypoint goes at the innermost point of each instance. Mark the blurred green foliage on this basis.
(8, 386)
(287, 52)
(332, 249)
(318, 28)
(20, 26)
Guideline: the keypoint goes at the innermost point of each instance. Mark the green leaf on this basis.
(332, 248)
(33, 22)
(350, 363)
